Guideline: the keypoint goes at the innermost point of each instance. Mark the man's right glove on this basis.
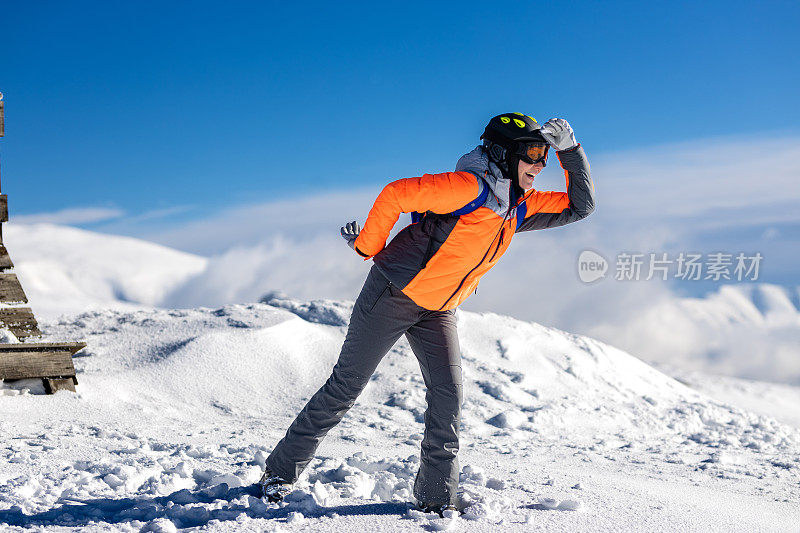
(558, 133)
(350, 233)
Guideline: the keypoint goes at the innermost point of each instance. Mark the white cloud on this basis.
(317, 267)
(703, 184)
(71, 216)
(295, 219)
(157, 214)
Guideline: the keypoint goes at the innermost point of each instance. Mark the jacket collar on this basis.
(477, 162)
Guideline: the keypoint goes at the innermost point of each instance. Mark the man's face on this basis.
(526, 172)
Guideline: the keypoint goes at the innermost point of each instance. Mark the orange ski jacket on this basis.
(439, 260)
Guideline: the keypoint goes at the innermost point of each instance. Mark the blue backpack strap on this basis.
(469, 208)
(476, 203)
(522, 209)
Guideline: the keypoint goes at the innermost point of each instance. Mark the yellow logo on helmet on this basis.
(519, 123)
(524, 115)
(505, 120)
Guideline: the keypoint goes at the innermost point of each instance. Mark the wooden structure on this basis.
(52, 362)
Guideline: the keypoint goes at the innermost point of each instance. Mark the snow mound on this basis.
(329, 312)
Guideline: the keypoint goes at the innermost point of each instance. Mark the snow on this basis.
(776, 400)
(8, 337)
(177, 409)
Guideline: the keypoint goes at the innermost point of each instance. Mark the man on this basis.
(419, 279)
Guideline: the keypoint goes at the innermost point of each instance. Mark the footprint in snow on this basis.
(552, 504)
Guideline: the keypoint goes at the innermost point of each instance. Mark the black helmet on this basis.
(506, 137)
(510, 128)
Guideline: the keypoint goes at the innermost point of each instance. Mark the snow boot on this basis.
(438, 508)
(274, 487)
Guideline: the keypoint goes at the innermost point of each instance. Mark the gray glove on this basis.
(350, 233)
(558, 134)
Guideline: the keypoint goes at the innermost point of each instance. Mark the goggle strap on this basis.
(497, 152)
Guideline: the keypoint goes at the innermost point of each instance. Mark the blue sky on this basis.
(177, 109)
(249, 132)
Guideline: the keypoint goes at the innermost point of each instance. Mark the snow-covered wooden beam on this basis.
(51, 361)
(34, 360)
(20, 321)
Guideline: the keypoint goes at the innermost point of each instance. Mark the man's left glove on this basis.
(558, 134)
(350, 233)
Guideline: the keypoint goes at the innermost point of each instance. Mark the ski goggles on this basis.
(534, 153)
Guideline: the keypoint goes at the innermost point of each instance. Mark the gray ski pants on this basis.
(382, 313)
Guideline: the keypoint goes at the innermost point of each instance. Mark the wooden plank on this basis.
(20, 321)
(71, 347)
(11, 289)
(53, 385)
(5, 259)
(3, 208)
(24, 364)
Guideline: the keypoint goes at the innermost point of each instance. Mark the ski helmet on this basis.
(506, 134)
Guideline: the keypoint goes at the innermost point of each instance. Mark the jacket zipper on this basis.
(500, 231)
(499, 243)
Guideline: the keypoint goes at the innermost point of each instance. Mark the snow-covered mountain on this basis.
(177, 409)
(747, 330)
(69, 270)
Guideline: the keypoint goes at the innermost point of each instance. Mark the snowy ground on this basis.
(177, 409)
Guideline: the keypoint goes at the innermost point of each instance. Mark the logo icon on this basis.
(591, 266)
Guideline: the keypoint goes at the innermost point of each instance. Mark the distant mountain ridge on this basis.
(70, 270)
(747, 330)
